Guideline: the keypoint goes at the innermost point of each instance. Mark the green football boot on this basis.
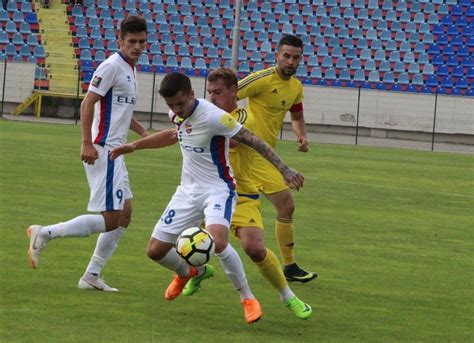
(194, 283)
(299, 308)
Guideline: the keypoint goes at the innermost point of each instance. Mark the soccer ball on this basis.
(195, 246)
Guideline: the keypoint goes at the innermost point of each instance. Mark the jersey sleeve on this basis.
(299, 98)
(249, 87)
(224, 124)
(103, 79)
(298, 104)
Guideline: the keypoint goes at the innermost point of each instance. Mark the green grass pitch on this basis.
(390, 232)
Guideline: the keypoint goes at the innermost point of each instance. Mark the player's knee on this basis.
(286, 208)
(256, 252)
(221, 244)
(126, 220)
(112, 220)
(153, 253)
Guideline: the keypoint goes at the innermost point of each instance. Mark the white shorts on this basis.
(186, 210)
(108, 182)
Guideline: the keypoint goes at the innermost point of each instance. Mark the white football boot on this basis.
(37, 244)
(94, 283)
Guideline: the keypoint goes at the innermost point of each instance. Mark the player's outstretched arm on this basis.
(157, 140)
(298, 125)
(292, 178)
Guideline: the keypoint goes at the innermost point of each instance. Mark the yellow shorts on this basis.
(247, 213)
(266, 175)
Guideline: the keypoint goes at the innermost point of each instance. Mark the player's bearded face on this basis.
(132, 46)
(288, 58)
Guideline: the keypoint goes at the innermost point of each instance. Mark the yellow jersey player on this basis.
(270, 94)
(247, 222)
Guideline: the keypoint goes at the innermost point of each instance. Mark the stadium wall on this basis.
(16, 82)
(333, 110)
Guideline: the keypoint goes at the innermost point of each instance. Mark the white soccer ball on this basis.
(195, 246)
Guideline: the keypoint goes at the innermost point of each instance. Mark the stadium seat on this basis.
(100, 56)
(447, 81)
(113, 46)
(39, 51)
(432, 81)
(157, 60)
(316, 72)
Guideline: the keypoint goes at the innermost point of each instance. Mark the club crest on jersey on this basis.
(189, 128)
(228, 121)
(96, 81)
(129, 79)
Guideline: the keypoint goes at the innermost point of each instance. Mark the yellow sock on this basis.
(285, 238)
(271, 269)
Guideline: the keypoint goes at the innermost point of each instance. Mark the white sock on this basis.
(286, 293)
(234, 269)
(175, 263)
(81, 226)
(106, 245)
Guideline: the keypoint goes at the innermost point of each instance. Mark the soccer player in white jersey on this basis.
(207, 188)
(106, 116)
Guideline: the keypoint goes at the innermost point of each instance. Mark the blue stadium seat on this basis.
(374, 76)
(432, 81)
(370, 65)
(443, 70)
(341, 63)
(194, 41)
(198, 51)
(25, 50)
(301, 71)
(157, 60)
(86, 55)
(452, 61)
(384, 66)
(17, 38)
(403, 78)
(458, 71)
(447, 81)
(83, 43)
(359, 75)
(428, 69)
(394, 56)
(316, 72)
(330, 74)
(143, 59)
(4, 37)
(113, 46)
(345, 75)
(462, 83)
(414, 68)
(399, 67)
(389, 77)
(409, 57)
(356, 64)
(100, 56)
(39, 51)
(327, 62)
(337, 52)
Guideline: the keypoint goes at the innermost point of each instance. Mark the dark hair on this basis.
(291, 41)
(132, 24)
(225, 74)
(173, 83)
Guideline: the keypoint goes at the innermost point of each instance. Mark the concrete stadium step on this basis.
(64, 79)
(64, 89)
(60, 60)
